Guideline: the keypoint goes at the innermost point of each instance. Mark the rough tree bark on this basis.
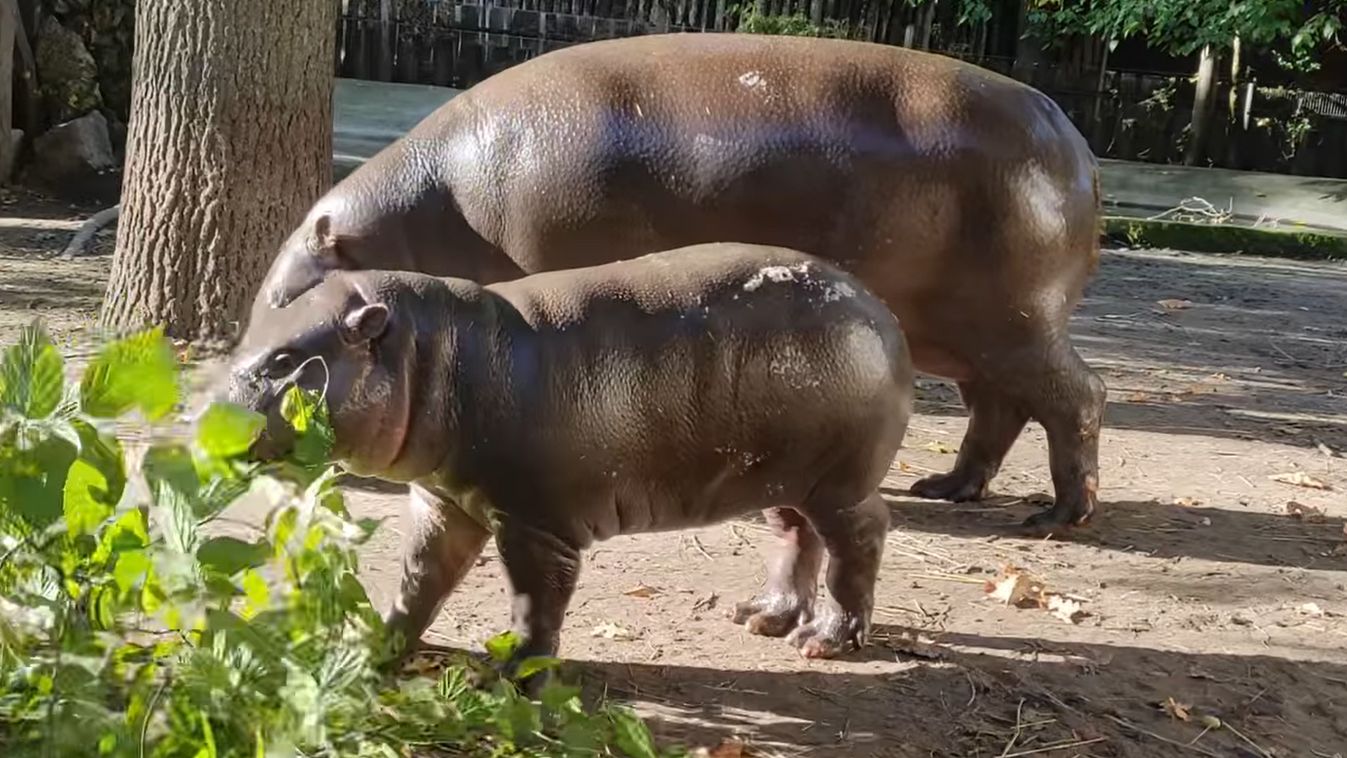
(230, 142)
(1204, 102)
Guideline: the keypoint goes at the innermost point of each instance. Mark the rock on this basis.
(66, 73)
(75, 152)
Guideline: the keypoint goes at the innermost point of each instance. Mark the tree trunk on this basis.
(230, 143)
(1203, 101)
(927, 19)
(1028, 49)
(1097, 125)
(9, 17)
(1232, 153)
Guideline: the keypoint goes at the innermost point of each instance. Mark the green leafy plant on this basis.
(132, 625)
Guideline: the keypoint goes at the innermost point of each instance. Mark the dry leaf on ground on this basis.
(1175, 709)
(1308, 513)
(706, 603)
(1174, 304)
(1187, 502)
(940, 447)
(610, 631)
(643, 591)
(1014, 586)
(1300, 479)
(1065, 608)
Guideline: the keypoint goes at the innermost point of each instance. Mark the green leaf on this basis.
(129, 532)
(229, 556)
(227, 430)
(139, 371)
(502, 646)
(631, 734)
(33, 471)
(131, 568)
(86, 499)
(535, 665)
(32, 374)
(102, 608)
(306, 412)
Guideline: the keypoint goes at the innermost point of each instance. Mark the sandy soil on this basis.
(1201, 591)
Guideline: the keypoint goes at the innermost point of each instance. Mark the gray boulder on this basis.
(78, 151)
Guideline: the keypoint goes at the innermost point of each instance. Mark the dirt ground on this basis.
(1216, 623)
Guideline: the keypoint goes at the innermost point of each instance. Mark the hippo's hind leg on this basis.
(1068, 399)
(995, 421)
(854, 537)
(787, 599)
(439, 546)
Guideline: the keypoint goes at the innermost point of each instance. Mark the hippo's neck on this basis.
(451, 366)
(402, 211)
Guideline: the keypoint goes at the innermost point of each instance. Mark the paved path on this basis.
(370, 115)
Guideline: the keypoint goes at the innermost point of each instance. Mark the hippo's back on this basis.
(874, 157)
(669, 368)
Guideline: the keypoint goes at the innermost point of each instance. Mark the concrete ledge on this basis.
(1301, 244)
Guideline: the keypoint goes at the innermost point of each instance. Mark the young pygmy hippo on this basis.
(670, 391)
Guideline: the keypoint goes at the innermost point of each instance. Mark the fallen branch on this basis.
(86, 232)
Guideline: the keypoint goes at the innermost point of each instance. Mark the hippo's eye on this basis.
(280, 365)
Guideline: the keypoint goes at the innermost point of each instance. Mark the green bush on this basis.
(1294, 243)
(754, 21)
(129, 628)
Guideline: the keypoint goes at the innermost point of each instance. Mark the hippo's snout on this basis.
(262, 396)
(293, 275)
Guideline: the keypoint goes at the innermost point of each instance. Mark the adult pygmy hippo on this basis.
(965, 200)
(674, 390)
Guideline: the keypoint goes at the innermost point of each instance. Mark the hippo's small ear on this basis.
(365, 323)
(323, 241)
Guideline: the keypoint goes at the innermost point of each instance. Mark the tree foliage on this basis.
(1184, 26)
(129, 626)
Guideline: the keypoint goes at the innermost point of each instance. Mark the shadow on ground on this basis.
(1259, 354)
(1151, 528)
(963, 694)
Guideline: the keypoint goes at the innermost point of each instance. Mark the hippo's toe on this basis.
(1060, 518)
(956, 487)
(833, 634)
(773, 614)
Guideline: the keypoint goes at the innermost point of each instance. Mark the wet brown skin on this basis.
(963, 199)
(671, 391)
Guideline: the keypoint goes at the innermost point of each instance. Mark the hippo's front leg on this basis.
(542, 569)
(439, 546)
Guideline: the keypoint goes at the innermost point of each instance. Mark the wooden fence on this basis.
(457, 44)
(1128, 115)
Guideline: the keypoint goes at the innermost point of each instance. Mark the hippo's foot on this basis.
(956, 487)
(773, 614)
(1063, 516)
(832, 634)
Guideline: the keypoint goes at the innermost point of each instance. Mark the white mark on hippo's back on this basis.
(775, 274)
(752, 79)
(838, 291)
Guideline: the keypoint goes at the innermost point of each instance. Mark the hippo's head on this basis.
(340, 337)
(310, 252)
